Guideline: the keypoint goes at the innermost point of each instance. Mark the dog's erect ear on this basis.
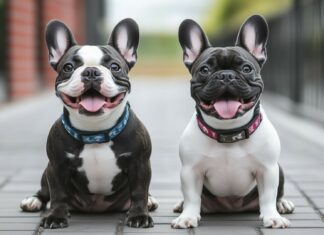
(253, 37)
(124, 38)
(193, 41)
(58, 39)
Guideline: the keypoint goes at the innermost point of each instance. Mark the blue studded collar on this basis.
(93, 137)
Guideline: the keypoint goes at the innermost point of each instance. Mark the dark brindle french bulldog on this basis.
(98, 149)
(229, 151)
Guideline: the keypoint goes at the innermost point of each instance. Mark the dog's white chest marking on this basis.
(229, 169)
(100, 166)
(228, 175)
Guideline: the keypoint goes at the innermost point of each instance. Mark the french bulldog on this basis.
(98, 150)
(229, 150)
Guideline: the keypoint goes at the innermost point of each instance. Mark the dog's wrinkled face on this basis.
(92, 80)
(226, 82)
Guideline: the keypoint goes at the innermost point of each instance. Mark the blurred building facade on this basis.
(24, 68)
(294, 71)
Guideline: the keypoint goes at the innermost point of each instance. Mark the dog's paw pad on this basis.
(178, 207)
(185, 222)
(276, 222)
(285, 206)
(31, 204)
(140, 221)
(152, 203)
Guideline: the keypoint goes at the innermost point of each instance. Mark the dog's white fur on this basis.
(230, 169)
(99, 165)
(31, 204)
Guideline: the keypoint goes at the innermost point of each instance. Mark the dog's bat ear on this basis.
(253, 36)
(193, 41)
(124, 38)
(58, 39)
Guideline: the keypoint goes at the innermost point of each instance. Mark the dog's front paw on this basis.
(275, 222)
(285, 206)
(53, 222)
(140, 221)
(31, 204)
(184, 221)
(56, 218)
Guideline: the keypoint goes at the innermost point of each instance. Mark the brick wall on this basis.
(28, 68)
(22, 68)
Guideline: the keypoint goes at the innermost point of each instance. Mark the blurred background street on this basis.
(293, 99)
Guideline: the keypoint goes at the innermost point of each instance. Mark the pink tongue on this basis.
(92, 104)
(227, 108)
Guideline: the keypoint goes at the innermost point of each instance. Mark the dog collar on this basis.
(233, 135)
(94, 137)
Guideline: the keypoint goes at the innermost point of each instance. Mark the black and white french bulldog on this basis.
(229, 151)
(98, 150)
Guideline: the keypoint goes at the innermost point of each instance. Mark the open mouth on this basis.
(92, 101)
(228, 106)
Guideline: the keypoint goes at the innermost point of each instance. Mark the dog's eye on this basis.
(247, 69)
(114, 67)
(68, 68)
(204, 70)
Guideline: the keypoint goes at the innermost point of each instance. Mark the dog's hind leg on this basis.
(39, 200)
(284, 206)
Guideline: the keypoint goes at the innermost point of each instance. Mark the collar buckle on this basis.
(230, 136)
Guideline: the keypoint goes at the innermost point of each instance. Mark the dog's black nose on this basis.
(91, 74)
(227, 75)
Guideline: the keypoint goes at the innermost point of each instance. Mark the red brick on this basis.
(25, 40)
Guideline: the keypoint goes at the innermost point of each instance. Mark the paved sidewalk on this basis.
(165, 108)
